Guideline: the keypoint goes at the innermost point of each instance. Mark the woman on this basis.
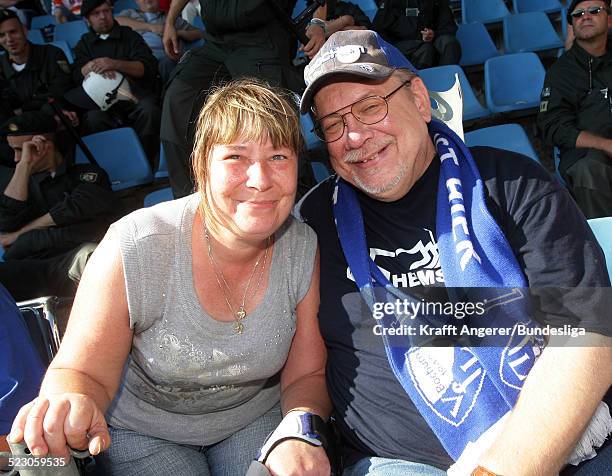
(188, 311)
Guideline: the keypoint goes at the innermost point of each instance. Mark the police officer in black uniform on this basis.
(242, 38)
(50, 211)
(29, 74)
(109, 48)
(423, 30)
(576, 108)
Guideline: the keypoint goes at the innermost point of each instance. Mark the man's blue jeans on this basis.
(375, 466)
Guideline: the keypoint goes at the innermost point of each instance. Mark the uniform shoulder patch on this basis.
(64, 66)
(545, 93)
(89, 177)
(543, 106)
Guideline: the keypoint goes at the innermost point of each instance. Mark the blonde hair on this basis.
(250, 109)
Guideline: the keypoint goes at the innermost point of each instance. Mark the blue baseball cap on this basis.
(361, 53)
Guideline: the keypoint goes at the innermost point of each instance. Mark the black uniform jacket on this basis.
(46, 74)
(404, 19)
(80, 201)
(123, 43)
(576, 97)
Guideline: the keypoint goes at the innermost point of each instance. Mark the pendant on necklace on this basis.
(238, 327)
(240, 313)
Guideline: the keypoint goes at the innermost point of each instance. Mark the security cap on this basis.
(89, 5)
(361, 53)
(6, 14)
(29, 124)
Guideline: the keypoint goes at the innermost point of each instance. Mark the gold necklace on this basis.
(240, 314)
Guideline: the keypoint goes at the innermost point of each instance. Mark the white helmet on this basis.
(98, 91)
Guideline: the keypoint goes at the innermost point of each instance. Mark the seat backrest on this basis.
(35, 36)
(505, 136)
(484, 11)
(530, 31)
(65, 48)
(310, 139)
(547, 6)
(121, 5)
(476, 44)
(602, 228)
(158, 196)
(320, 171)
(42, 21)
(41, 318)
(120, 153)
(557, 161)
(70, 32)
(513, 82)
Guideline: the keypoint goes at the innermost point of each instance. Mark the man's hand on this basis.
(7, 239)
(157, 28)
(32, 157)
(427, 34)
(72, 117)
(104, 66)
(172, 46)
(295, 457)
(316, 36)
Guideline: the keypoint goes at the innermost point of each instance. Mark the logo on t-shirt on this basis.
(417, 264)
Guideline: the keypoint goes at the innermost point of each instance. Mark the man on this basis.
(109, 49)
(243, 38)
(576, 108)
(423, 30)
(403, 222)
(33, 73)
(149, 21)
(49, 210)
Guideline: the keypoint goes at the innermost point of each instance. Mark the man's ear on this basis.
(420, 96)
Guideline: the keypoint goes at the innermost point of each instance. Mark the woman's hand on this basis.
(53, 423)
(294, 457)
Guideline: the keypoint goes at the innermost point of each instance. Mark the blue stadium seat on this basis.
(476, 44)
(320, 170)
(70, 32)
(484, 11)
(442, 78)
(564, 22)
(121, 5)
(42, 21)
(35, 36)
(529, 32)
(162, 168)
(546, 6)
(158, 196)
(369, 7)
(506, 136)
(62, 45)
(602, 229)
(513, 82)
(119, 152)
(311, 140)
(300, 5)
(1, 254)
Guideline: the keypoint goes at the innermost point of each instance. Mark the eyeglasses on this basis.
(369, 110)
(579, 12)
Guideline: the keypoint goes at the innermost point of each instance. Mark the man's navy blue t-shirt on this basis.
(546, 231)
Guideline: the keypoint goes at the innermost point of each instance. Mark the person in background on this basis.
(51, 212)
(110, 48)
(576, 108)
(423, 30)
(149, 21)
